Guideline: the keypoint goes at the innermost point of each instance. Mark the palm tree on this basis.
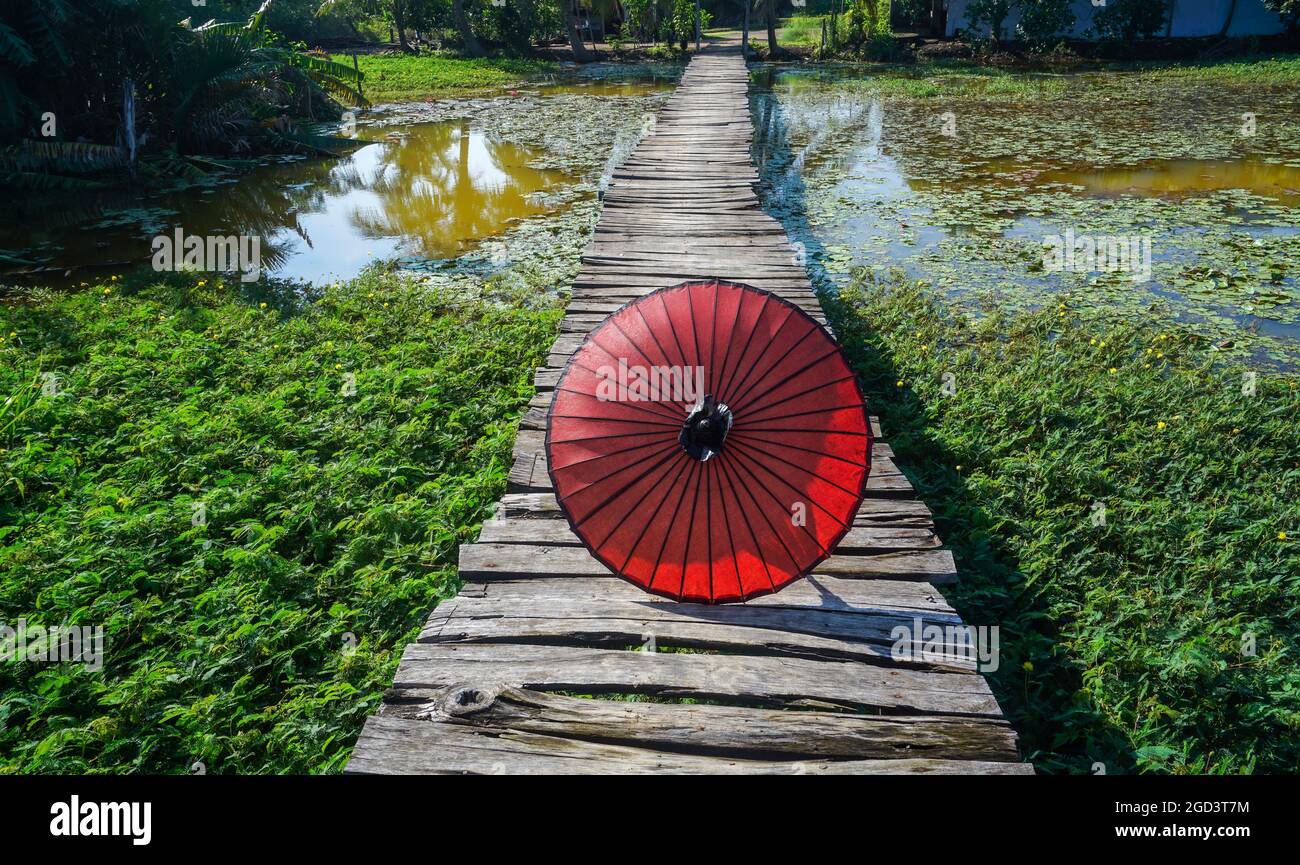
(469, 42)
(1227, 24)
(231, 80)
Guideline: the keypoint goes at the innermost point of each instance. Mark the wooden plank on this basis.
(490, 561)
(738, 732)
(816, 592)
(867, 539)
(758, 680)
(400, 746)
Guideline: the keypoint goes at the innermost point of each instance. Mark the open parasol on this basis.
(709, 442)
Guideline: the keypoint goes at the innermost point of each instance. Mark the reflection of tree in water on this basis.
(443, 185)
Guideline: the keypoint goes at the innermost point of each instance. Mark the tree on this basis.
(469, 44)
(1129, 20)
(744, 33)
(1043, 22)
(990, 13)
(1287, 10)
(576, 45)
(1227, 22)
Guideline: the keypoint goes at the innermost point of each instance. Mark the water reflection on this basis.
(430, 190)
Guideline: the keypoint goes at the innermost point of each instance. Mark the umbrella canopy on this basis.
(709, 442)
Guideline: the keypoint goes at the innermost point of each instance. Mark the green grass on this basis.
(400, 77)
(259, 641)
(1121, 643)
(803, 31)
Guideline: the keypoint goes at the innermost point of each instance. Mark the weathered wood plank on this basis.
(739, 732)
(756, 680)
(401, 746)
(489, 561)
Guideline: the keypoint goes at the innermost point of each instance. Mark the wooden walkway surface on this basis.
(532, 668)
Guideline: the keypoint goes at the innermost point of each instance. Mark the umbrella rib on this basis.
(640, 405)
(793, 487)
(713, 344)
(751, 410)
(732, 382)
(612, 436)
(695, 338)
(790, 376)
(753, 379)
(628, 486)
(726, 474)
(586, 460)
(794, 560)
(659, 557)
(708, 524)
(617, 420)
(644, 356)
(796, 467)
(646, 525)
(814, 411)
(838, 432)
(738, 434)
(686, 550)
(810, 535)
(681, 353)
(643, 405)
(726, 358)
(650, 330)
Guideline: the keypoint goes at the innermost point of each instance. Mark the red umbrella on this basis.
(709, 442)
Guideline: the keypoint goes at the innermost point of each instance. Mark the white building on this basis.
(1191, 18)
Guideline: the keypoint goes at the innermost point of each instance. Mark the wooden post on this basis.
(697, 25)
(744, 45)
(357, 69)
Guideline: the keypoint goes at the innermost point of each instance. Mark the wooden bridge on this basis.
(545, 662)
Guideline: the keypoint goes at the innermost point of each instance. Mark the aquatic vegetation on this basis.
(959, 178)
(401, 77)
(428, 185)
(259, 497)
(1122, 504)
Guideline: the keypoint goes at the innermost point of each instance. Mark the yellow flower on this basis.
(1092, 342)
(1160, 354)
(1113, 370)
(1027, 666)
(261, 306)
(108, 291)
(1281, 536)
(959, 468)
(338, 366)
(924, 347)
(1160, 425)
(202, 282)
(12, 334)
(114, 278)
(1103, 343)
(385, 304)
(900, 383)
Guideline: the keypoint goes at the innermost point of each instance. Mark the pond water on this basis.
(429, 184)
(966, 186)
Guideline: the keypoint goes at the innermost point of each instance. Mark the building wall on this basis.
(1191, 18)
